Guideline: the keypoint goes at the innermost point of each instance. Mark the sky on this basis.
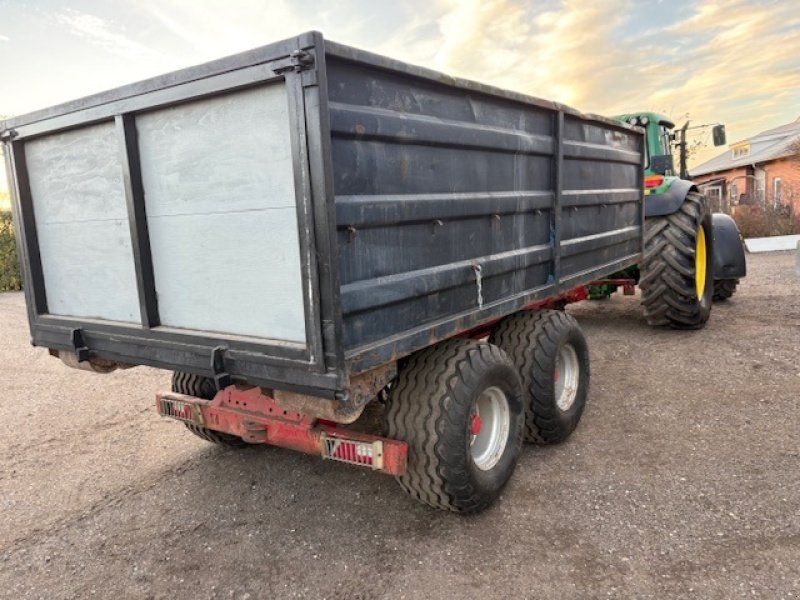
(730, 61)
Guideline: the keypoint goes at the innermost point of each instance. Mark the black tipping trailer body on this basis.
(304, 212)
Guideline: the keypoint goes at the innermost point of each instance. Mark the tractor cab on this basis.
(658, 131)
(659, 170)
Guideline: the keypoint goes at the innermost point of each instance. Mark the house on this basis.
(763, 169)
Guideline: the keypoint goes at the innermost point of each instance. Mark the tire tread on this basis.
(667, 270)
(422, 409)
(724, 289)
(529, 338)
(202, 387)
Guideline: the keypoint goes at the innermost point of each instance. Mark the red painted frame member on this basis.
(255, 417)
(628, 285)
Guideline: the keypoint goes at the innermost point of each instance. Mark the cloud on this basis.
(4, 38)
(103, 33)
(743, 67)
(214, 27)
(551, 53)
(726, 60)
(736, 61)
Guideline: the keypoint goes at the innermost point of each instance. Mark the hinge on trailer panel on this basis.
(8, 135)
(79, 345)
(297, 61)
(222, 378)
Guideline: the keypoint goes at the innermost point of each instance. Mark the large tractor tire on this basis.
(724, 289)
(551, 355)
(677, 270)
(458, 406)
(203, 387)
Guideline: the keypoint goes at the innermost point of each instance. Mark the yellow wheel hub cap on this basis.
(700, 263)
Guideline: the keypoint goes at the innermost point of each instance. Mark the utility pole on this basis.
(680, 142)
(682, 151)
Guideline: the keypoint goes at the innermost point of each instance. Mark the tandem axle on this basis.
(255, 416)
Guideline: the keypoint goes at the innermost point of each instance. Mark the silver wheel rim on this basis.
(493, 423)
(567, 376)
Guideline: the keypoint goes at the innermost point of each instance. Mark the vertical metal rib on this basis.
(137, 218)
(558, 171)
(30, 259)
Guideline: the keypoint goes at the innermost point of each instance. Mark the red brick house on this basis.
(763, 169)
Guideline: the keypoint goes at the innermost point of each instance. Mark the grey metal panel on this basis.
(82, 224)
(220, 201)
(230, 274)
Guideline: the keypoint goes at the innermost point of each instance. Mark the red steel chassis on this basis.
(257, 418)
(253, 415)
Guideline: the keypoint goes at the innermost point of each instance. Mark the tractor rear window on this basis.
(665, 139)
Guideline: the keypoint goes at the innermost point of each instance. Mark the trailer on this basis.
(305, 228)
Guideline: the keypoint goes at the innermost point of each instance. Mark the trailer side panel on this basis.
(454, 206)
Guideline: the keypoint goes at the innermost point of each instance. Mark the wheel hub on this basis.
(476, 425)
(489, 427)
(566, 377)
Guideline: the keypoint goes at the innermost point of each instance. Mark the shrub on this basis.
(10, 278)
(764, 221)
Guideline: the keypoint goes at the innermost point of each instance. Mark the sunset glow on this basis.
(727, 61)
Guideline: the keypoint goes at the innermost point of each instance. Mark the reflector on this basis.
(352, 452)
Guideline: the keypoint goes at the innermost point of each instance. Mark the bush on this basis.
(764, 221)
(10, 278)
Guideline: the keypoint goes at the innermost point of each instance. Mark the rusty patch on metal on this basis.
(346, 409)
(94, 365)
(365, 386)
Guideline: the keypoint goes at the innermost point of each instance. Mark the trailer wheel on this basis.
(676, 272)
(458, 407)
(724, 289)
(550, 352)
(203, 387)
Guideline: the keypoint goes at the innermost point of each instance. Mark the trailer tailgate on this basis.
(169, 222)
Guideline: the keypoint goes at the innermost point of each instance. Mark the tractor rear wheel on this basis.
(203, 387)
(676, 272)
(458, 406)
(551, 355)
(724, 289)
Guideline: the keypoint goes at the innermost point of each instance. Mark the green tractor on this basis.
(691, 257)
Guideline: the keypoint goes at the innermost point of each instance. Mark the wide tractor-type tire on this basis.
(724, 289)
(550, 352)
(203, 387)
(677, 269)
(458, 406)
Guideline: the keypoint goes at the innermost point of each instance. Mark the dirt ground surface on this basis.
(682, 480)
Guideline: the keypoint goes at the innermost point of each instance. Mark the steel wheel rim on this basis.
(566, 376)
(493, 416)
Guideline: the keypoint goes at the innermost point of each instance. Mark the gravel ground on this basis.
(683, 480)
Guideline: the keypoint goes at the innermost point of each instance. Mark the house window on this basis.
(776, 190)
(741, 151)
(734, 194)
